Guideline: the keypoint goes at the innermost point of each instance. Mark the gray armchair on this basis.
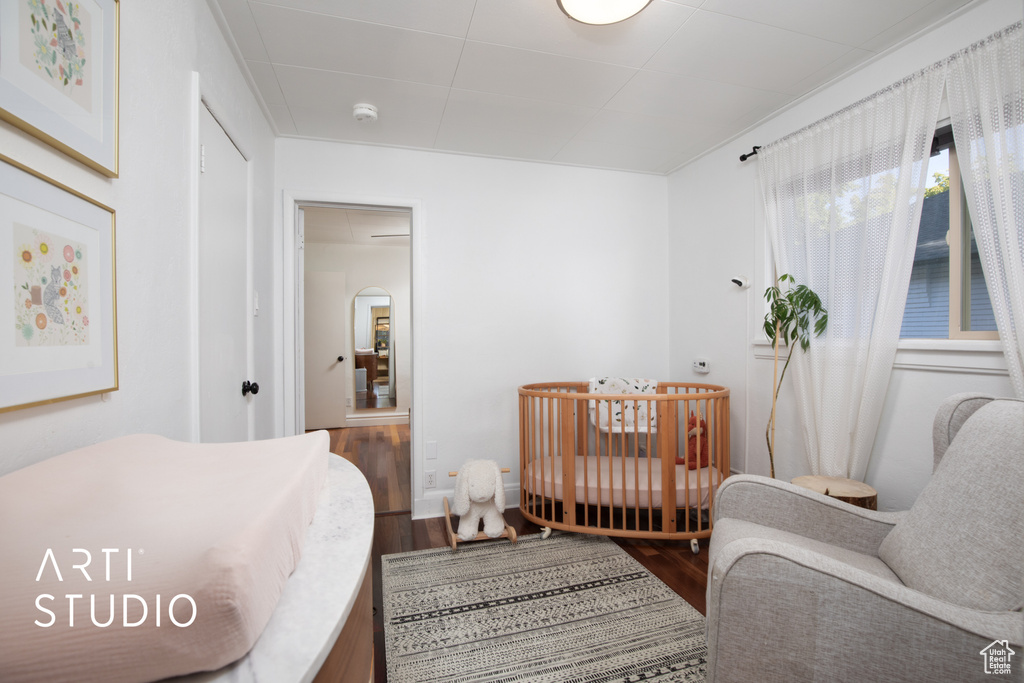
(802, 587)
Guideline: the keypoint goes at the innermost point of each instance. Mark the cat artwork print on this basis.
(51, 298)
(54, 44)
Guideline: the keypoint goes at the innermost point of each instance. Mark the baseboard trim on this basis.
(370, 420)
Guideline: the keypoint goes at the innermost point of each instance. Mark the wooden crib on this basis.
(583, 468)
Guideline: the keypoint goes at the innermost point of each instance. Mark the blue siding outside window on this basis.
(927, 310)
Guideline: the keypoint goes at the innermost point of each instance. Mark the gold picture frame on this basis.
(58, 331)
(59, 75)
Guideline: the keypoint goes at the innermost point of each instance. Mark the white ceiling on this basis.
(374, 227)
(519, 79)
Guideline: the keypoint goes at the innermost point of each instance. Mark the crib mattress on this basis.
(185, 551)
(693, 487)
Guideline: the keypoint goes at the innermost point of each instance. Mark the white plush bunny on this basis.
(479, 494)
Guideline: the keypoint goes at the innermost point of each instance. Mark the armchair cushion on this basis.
(962, 539)
(785, 543)
(787, 507)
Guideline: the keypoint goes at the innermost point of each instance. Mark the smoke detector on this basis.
(364, 112)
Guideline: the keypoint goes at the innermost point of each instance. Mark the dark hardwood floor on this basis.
(377, 397)
(382, 454)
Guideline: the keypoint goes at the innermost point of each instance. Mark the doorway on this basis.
(370, 247)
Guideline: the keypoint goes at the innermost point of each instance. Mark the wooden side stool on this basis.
(847, 490)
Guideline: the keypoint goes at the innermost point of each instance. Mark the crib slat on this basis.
(610, 451)
(523, 446)
(623, 440)
(531, 454)
(668, 446)
(544, 453)
(650, 468)
(581, 427)
(568, 473)
(550, 463)
(527, 457)
(539, 463)
(685, 429)
(586, 470)
(522, 450)
(698, 442)
(636, 468)
(726, 437)
(714, 452)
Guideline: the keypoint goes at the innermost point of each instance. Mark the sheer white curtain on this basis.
(842, 204)
(986, 104)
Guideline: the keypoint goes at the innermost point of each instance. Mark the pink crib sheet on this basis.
(693, 487)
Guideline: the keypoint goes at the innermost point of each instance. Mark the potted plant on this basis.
(790, 316)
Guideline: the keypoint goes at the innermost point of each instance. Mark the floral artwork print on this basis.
(51, 305)
(58, 44)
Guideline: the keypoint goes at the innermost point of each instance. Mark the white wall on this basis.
(522, 273)
(716, 231)
(370, 266)
(161, 45)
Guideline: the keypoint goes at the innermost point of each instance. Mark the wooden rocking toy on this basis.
(499, 495)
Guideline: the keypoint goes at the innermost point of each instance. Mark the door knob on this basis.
(341, 359)
(248, 387)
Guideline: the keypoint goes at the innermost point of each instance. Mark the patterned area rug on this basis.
(568, 608)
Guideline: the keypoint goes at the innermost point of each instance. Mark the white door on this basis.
(324, 333)
(224, 330)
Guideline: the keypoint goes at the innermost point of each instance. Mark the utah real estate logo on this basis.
(997, 657)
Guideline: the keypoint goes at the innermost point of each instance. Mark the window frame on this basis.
(957, 237)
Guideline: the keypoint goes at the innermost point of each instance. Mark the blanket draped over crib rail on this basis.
(623, 457)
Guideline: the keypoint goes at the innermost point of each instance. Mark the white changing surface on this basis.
(228, 530)
(319, 596)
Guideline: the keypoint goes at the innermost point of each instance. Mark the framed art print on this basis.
(58, 75)
(58, 317)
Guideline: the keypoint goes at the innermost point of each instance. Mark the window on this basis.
(947, 298)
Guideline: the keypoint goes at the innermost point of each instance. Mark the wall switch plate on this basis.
(348, 401)
(431, 450)
(430, 479)
(701, 366)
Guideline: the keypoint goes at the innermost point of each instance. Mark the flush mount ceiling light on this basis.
(601, 11)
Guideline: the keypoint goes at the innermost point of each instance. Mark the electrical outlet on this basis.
(430, 479)
(348, 401)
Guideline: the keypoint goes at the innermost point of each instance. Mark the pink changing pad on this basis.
(221, 524)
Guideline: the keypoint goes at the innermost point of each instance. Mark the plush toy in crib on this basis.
(691, 443)
(479, 494)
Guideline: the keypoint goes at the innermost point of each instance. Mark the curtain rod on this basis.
(744, 157)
